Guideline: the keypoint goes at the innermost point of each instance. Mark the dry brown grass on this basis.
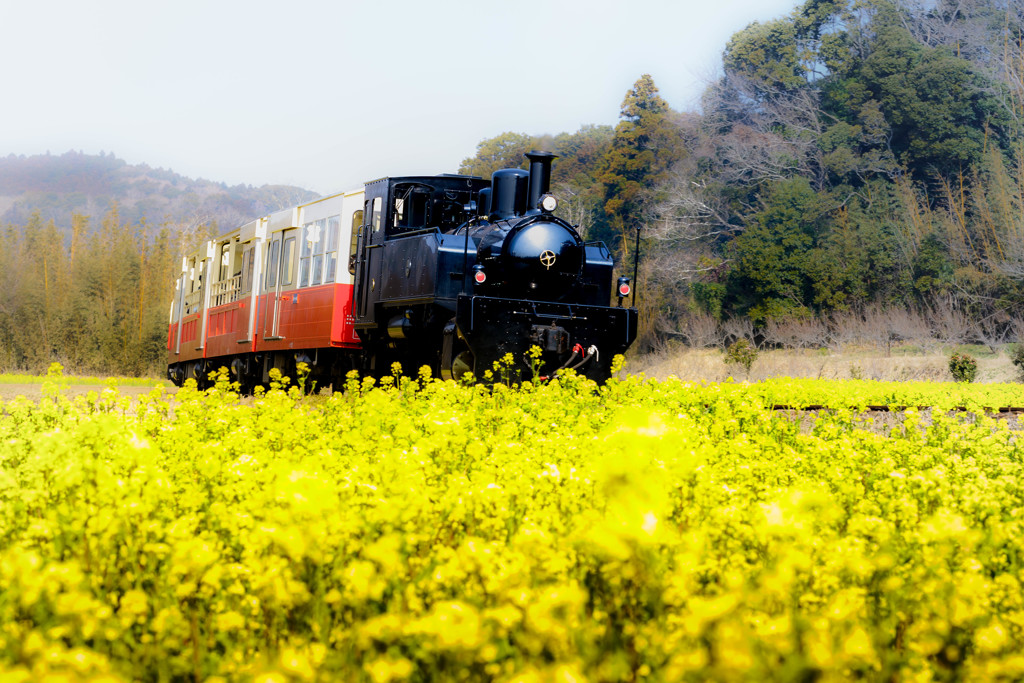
(904, 363)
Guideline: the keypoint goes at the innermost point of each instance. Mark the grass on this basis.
(87, 381)
(904, 363)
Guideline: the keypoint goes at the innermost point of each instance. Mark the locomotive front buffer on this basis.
(578, 336)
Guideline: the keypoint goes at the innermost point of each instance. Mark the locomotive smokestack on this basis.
(540, 178)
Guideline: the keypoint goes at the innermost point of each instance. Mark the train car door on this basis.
(177, 314)
(248, 260)
(252, 236)
(370, 241)
(272, 287)
(280, 275)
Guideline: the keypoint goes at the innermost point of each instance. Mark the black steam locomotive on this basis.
(465, 271)
(453, 272)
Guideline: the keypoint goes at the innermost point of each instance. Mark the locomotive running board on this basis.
(549, 316)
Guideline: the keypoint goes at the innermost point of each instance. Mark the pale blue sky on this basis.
(326, 95)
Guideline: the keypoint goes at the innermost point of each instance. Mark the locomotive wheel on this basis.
(462, 364)
(456, 356)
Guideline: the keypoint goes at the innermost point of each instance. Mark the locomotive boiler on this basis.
(453, 272)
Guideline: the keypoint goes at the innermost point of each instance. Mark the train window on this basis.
(316, 268)
(375, 214)
(272, 260)
(305, 253)
(331, 248)
(319, 236)
(410, 207)
(225, 261)
(311, 257)
(357, 225)
(247, 270)
(288, 262)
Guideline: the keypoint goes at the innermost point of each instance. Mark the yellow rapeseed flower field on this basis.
(419, 530)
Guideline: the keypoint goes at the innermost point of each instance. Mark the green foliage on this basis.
(775, 257)
(580, 155)
(855, 153)
(932, 267)
(963, 367)
(709, 297)
(767, 53)
(574, 176)
(502, 151)
(1017, 358)
(941, 111)
(741, 352)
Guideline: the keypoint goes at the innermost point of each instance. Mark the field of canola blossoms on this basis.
(428, 531)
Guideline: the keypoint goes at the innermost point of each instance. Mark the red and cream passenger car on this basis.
(275, 292)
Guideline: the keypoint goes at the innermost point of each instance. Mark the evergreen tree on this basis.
(645, 146)
(775, 259)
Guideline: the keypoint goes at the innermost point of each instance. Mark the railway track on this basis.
(898, 409)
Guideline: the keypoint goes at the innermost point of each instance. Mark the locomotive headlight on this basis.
(479, 276)
(548, 203)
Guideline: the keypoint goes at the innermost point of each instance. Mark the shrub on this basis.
(1017, 358)
(964, 368)
(741, 352)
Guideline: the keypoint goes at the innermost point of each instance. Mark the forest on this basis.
(855, 172)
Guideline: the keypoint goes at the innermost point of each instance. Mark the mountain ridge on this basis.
(58, 186)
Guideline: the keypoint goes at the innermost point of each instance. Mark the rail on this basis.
(814, 407)
(226, 291)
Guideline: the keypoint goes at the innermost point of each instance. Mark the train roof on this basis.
(425, 179)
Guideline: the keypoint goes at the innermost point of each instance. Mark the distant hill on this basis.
(58, 186)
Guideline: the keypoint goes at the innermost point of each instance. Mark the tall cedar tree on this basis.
(646, 145)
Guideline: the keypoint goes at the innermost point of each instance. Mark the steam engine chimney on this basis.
(540, 178)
